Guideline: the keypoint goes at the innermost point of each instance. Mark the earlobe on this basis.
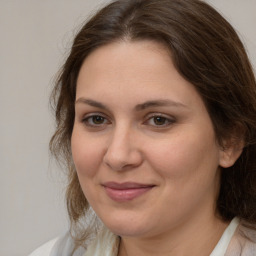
(230, 153)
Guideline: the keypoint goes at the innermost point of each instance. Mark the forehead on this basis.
(122, 55)
(141, 70)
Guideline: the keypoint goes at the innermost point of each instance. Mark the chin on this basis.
(126, 227)
(128, 231)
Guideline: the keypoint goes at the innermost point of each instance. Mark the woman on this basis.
(155, 110)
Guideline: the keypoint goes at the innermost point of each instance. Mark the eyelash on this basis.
(89, 120)
(166, 121)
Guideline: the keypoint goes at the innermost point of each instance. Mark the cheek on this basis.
(86, 155)
(189, 172)
(185, 155)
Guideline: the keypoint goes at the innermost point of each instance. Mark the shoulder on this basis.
(45, 250)
(106, 243)
(63, 245)
(243, 243)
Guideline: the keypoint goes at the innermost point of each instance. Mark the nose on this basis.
(123, 150)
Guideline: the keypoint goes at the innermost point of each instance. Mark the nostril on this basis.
(122, 160)
(115, 161)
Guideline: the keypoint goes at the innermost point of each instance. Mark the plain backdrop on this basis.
(35, 37)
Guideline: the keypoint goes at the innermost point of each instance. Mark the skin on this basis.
(169, 142)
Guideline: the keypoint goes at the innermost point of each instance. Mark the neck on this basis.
(191, 239)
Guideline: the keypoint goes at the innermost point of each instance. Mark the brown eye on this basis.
(98, 119)
(159, 120)
(95, 121)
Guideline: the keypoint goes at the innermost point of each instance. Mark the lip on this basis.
(127, 191)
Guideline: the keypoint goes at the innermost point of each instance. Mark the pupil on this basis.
(159, 120)
(98, 119)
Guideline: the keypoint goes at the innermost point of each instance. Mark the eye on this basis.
(95, 120)
(159, 121)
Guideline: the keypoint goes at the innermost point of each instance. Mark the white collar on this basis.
(224, 241)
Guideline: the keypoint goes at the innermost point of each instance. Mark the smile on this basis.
(122, 192)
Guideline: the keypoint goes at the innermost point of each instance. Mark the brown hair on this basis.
(207, 52)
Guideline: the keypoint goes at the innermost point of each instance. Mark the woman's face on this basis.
(143, 143)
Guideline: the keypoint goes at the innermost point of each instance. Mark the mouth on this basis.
(123, 192)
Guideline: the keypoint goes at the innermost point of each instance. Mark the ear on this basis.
(230, 152)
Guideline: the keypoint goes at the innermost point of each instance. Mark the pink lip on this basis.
(127, 191)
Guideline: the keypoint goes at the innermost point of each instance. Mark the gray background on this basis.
(35, 36)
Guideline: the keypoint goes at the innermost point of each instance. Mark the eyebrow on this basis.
(139, 107)
(92, 103)
(159, 103)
